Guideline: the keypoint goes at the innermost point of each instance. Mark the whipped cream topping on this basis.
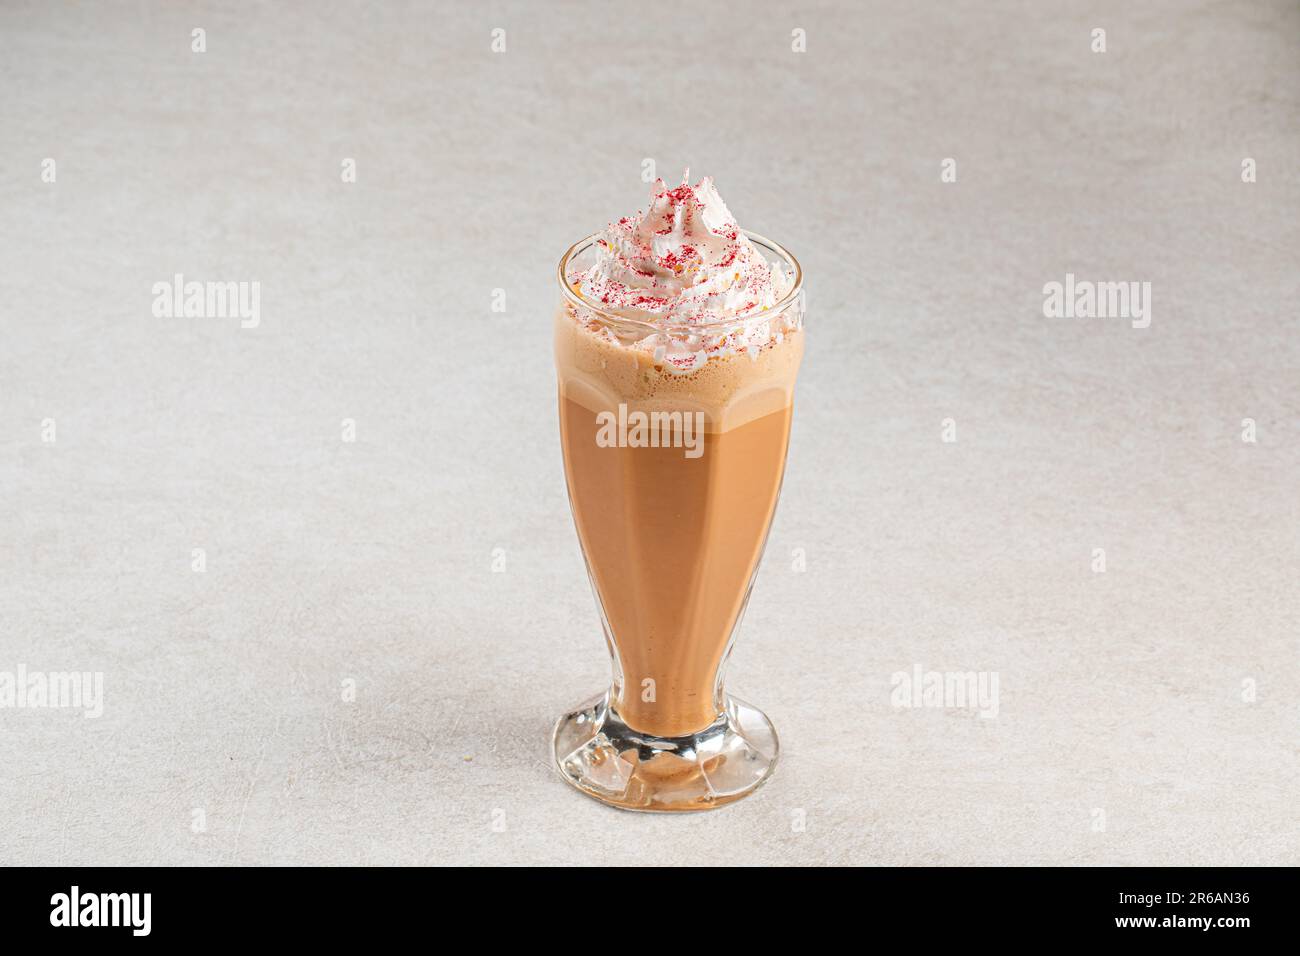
(683, 262)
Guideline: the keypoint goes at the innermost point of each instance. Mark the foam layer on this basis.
(598, 372)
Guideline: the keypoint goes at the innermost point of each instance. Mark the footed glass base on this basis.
(606, 759)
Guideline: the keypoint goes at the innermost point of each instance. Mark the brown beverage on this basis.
(676, 349)
(672, 542)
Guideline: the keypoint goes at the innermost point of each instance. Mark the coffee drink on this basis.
(677, 346)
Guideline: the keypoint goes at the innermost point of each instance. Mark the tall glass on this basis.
(674, 450)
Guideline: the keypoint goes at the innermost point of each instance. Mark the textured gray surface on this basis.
(1121, 692)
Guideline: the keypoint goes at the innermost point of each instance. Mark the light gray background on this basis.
(1121, 692)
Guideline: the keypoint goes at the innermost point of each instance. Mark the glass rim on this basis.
(790, 297)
